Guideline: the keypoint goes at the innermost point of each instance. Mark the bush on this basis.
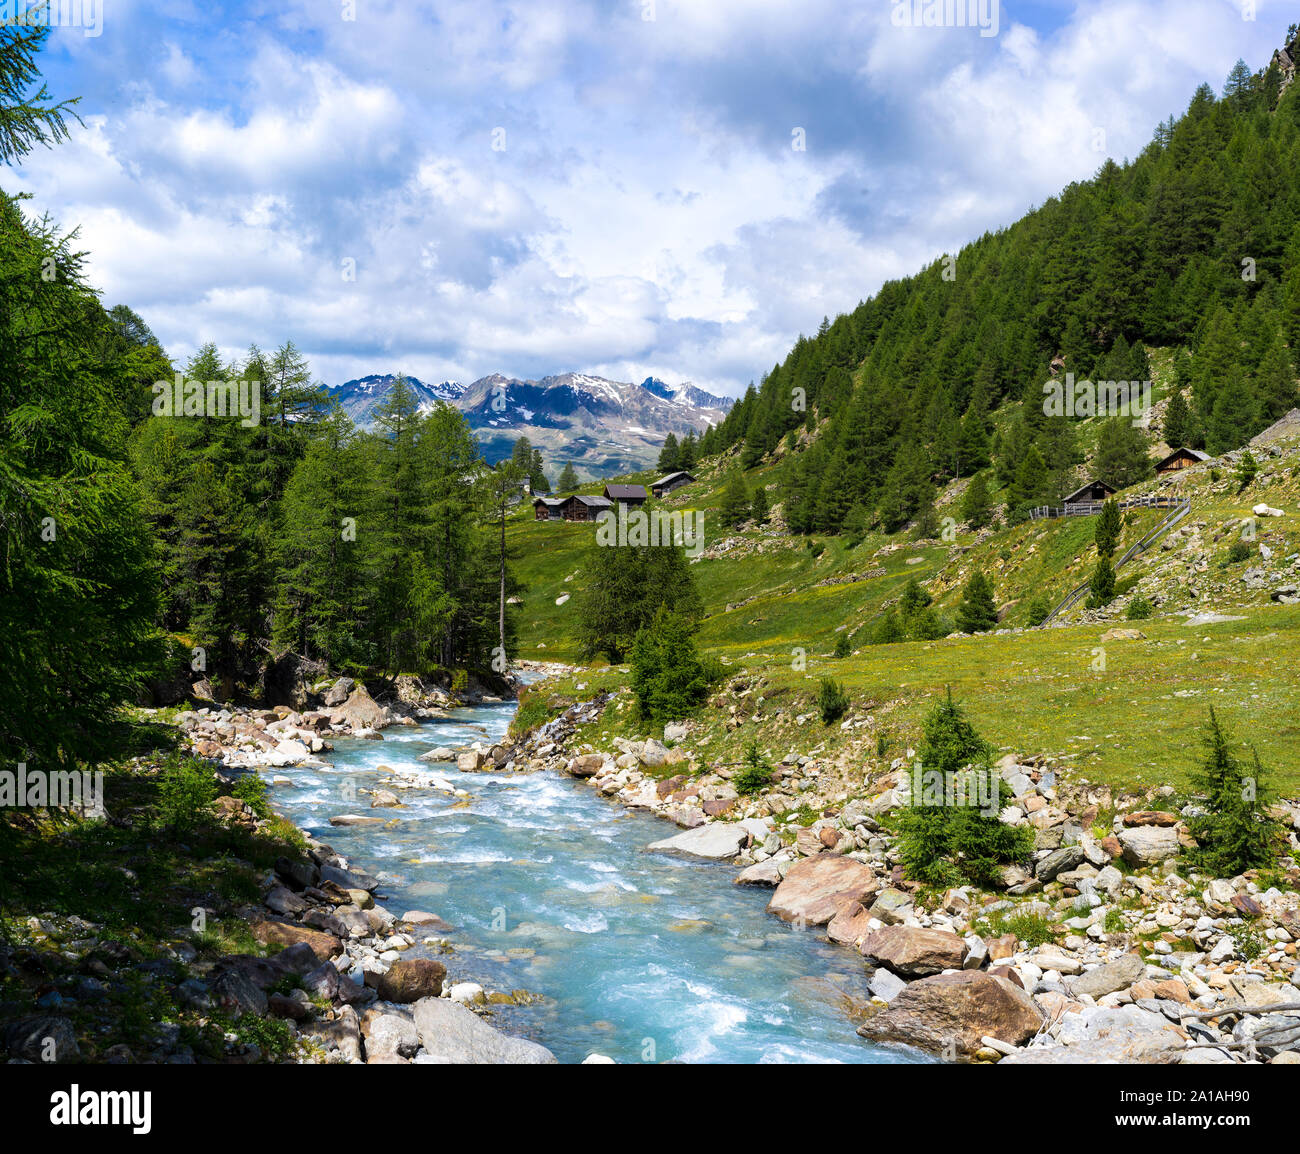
(942, 843)
(1236, 834)
(1139, 609)
(1238, 552)
(185, 791)
(843, 647)
(755, 775)
(251, 790)
(1038, 611)
(832, 701)
(668, 679)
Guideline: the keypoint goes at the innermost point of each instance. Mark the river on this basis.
(638, 956)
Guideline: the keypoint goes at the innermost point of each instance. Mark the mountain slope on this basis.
(604, 427)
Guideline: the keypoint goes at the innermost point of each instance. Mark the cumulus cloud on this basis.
(611, 187)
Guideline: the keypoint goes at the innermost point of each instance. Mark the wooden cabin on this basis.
(672, 481)
(547, 508)
(1180, 459)
(631, 495)
(583, 508)
(1093, 493)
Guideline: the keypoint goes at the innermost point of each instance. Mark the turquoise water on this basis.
(638, 956)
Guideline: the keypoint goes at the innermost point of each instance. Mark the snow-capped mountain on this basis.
(359, 398)
(605, 427)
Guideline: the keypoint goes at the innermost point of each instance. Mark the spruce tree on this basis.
(1177, 422)
(1106, 534)
(670, 455)
(735, 507)
(977, 612)
(758, 507)
(568, 479)
(27, 118)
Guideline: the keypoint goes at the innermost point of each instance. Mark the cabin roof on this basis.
(1184, 452)
(671, 477)
(594, 502)
(624, 492)
(1083, 488)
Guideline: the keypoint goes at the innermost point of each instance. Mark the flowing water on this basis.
(636, 955)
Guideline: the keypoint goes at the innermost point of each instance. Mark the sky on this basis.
(675, 188)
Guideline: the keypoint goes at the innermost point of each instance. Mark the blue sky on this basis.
(608, 186)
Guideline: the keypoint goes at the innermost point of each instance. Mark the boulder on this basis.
(348, 879)
(961, 1008)
(1096, 1035)
(849, 926)
(337, 693)
(652, 754)
(815, 889)
(764, 873)
(360, 711)
(274, 933)
(42, 1039)
(716, 840)
(237, 995)
(913, 952)
(1058, 861)
(408, 980)
(586, 765)
(1110, 978)
(454, 1035)
(390, 1035)
(1147, 844)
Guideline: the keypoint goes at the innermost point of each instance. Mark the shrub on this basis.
(1236, 833)
(1038, 610)
(251, 790)
(668, 679)
(1238, 552)
(1139, 609)
(755, 775)
(843, 647)
(832, 702)
(185, 791)
(1247, 470)
(941, 843)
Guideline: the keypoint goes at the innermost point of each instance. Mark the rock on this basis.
(1262, 510)
(390, 1036)
(467, 994)
(408, 980)
(42, 1039)
(716, 840)
(891, 906)
(1150, 817)
(337, 693)
(652, 754)
(1146, 845)
(1109, 978)
(913, 952)
(1058, 861)
(676, 731)
(421, 918)
(452, 1034)
(285, 1006)
(269, 933)
(586, 765)
(298, 874)
(282, 900)
(764, 873)
(237, 995)
(886, 985)
(354, 819)
(384, 799)
(961, 1008)
(471, 761)
(1124, 634)
(1125, 1034)
(359, 711)
(850, 925)
(438, 753)
(815, 889)
(1050, 959)
(349, 879)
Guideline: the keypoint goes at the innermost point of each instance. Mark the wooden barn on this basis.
(583, 508)
(1180, 459)
(1093, 493)
(548, 508)
(672, 481)
(631, 495)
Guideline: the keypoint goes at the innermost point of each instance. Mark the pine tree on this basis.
(1235, 833)
(27, 118)
(670, 455)
(976, 509)
(1106, 534)
(735, 501)
(758, 508)
(1121, 459)
(668, 679)
(1101, 586)
(568, 479)
(626, 585)
(1177, 426)
(977, 612)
